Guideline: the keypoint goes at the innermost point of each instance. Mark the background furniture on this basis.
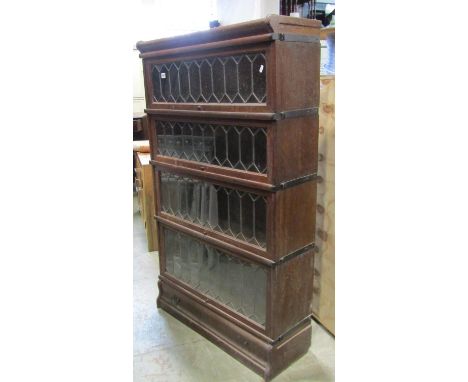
(141, 146)
(140, 127)
(324, 268)
(140, 133)
(233, 123)
(146, 199)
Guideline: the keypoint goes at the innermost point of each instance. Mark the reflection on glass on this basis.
(233, 282)
(242, 148)
(229, 79)
(236, 213)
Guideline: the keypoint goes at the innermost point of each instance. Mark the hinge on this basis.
(295, 113)
(291, 255)
(294, 182)
(288, 37)
(290, 330)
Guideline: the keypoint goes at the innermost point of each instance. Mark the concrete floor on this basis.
(166, 350)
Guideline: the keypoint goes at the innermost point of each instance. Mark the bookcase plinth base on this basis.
(259, 354)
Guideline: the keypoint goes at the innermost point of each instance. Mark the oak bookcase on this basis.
(233, 124)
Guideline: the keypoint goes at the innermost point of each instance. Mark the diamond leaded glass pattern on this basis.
(242, 148)
(229, 79)
(233, 282)
(236, 213)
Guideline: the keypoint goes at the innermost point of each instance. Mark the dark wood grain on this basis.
(294, 218)
(291, 293)
(297, 75)
(294, 149)
(209, 46)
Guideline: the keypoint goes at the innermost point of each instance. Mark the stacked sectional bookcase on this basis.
(233, 121)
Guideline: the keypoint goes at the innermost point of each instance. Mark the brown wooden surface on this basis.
(140, 127)
(199, 114)
(293, 219)
(141, 146)
(324, 286)
(219, 176)
(273, 23)
(293, 149)
(297, 75)
(291, 293)
(209, 46)
(146, 198)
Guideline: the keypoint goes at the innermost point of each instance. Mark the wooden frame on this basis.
(283, 92)
(288, 141)
(284, 313)
(290, 226)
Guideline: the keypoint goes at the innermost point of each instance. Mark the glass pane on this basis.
(194, 73)
(165, 84)
(233, 146)
(157, 95)
(247, 210)
(223, 209)
(259, 78)
(245, 78)
(233, 212)
(247, 149)
(206, 81)
(177, 140)
(260, 220)
(233, 282)
(229, 79)
(230, 68)
(174, 82)
(243, 148)
(184, 83)
(218, 79)
(220, 151)
(260, 150)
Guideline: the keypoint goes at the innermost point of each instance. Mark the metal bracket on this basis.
(294, 182)
(295, 113)
(288, 37)
(291, 255)
(287, 332)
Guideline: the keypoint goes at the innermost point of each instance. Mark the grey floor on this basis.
(166, 350)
